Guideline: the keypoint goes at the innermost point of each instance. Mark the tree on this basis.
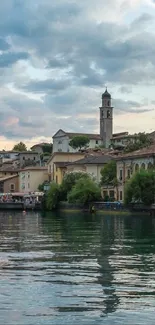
(142, 140)
(84, 191)
(47, 148)
(20, 147)
(69, 181)
(141, 188)
(79, 141)
(53, 196)
(108, 173)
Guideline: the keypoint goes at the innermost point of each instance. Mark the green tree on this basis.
(142, 140)
(21, 146)
(53, 197)
(79, 142)
(69, 181)
(141, 188)
(84, 191)
(47, 148)
(108, 173)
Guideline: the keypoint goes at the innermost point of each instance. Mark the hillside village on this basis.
(25, 171)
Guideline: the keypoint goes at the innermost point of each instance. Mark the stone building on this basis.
(128, 164)
(61, 138)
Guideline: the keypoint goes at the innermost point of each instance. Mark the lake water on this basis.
(76, 269)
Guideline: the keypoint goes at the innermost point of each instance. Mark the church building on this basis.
(61, 138)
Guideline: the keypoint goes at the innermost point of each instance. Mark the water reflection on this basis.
(78, 268)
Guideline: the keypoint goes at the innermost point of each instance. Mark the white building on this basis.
(61, 139)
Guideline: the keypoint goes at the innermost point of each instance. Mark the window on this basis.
(111, 194)
(28, 185)
(108, 113)
(34, 158)
(1, 187)
(23, 158)
(23, 186)
(143, 166)
(128, 173)
(120, 196)
(56, 169)
(59, 150)
(108, 103)
(121, 174)
(59, 142)
(96, 141)
(102, 114)
(105, 193)
(57, 179)
(12, 188)
(150, 166)
(28, 175)
(136, 167)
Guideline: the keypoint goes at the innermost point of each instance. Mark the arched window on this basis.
(136, 168)
(150, 166)
(143, 166)
(108, 103)
(108, 113)
(12, 188)
(102, 114)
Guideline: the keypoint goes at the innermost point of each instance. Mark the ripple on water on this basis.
(76, 270)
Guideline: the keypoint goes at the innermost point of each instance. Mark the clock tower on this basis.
(106, 119)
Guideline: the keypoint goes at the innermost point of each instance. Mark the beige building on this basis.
(91, 165)
(128, 164)
(39, 147)
(31, 177)
(28, 158)
(61, 138)
(9, 184)
(57, 164)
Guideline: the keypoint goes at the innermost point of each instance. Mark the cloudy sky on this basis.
(56, 57)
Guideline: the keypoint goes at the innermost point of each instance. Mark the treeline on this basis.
(76, 187)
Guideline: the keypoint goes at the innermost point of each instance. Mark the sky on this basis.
(57, 57)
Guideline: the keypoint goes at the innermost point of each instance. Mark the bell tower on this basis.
(106, 119)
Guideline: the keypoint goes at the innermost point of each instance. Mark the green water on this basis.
(76, 269)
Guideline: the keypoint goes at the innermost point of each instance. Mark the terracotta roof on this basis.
(9, 169)
(61, 163)
(120, 134)
(34, 168)
(125, 136)
(2, 179)
(89, 135)
(27, 152)
(64, 154)
(93, 160)
(148, 151)
(8, 151)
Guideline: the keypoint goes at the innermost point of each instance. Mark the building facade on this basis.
(91, 165)
(28, 158)
(106, 120)
(129, 164)
(57, 164)
(61, 138)
(61, 141)
(31, 177)
(9, 184)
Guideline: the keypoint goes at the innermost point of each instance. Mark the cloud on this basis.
(57, 56)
